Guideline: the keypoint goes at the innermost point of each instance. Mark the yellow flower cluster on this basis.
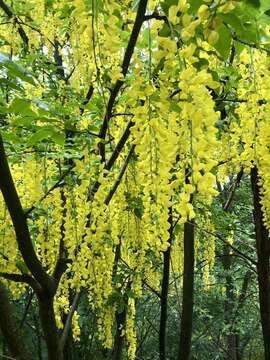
(250, 135)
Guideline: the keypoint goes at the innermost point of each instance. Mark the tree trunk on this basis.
(48, 324)
(119, 339)
(229, 303)
(231, 353)
(120, 317)
(263, 252)
(10, 329)
(164, 293)
(188, 293)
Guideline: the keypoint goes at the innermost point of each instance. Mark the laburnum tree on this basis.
(121, 125)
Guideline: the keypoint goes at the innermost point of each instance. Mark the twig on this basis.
(251, 45)
(68, 323)
(143, 280)
(228, 203)
(122, 114)
(10, 15)
(87, 98)
(119, 178)
(26, 308)
(231, 246)
(126, 61)
(155, 15)
(56, 185)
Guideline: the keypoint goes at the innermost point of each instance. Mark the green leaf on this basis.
(195, 4)
(175, 107)
(165, 31)
(223, 46)
(11, 137)
(202, 63)
(234, 22)
(255, 3)
(165, 5)
(10, 84)
(42, 134)
(23, 121)
(59, 138)
(16, 70)
(45, 133)
(22, 107)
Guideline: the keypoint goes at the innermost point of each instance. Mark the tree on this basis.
(121, 122)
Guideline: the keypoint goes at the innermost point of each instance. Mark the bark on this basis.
(66, 343)
(263, 252)
(118, 338)
(240, 347)
(18, 217)
(120, 316)
(188, 293)
(10, 328)
(164, 293)
(231, 353)
(48, 324)
(229, 303)
(140, 18)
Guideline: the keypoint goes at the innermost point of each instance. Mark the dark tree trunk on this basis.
(119, 339)
(10, 329)
(231, 353)
(164, 293)
(48, 324)
(188, 293)
(229, 303)
(240, 304)
(120, 316)
(68, 351)
(263, 252)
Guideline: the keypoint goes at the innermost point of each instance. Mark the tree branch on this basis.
(126, 61)
(10, 15)
(10, 329)
(155, 15)
(68, 323)
(17, 215)
(87, 98)
(119, 178)
(251, 45)
(23, 278)
(55, 186)
(229, 201)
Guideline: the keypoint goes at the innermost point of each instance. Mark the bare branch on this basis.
(119, 178)
(68, 322)
(23, 278)
(126, 61)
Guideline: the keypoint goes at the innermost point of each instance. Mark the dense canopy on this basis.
(126, 130)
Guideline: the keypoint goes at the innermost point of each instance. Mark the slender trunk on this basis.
(164, 293)
(231, 353)
(120, 317)
(48, 324)
(10, 329)
(39, 337)
(263, 252)
(229, 303)
(68, 351)
(241, 301)
(119, 339)
(188, 293)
